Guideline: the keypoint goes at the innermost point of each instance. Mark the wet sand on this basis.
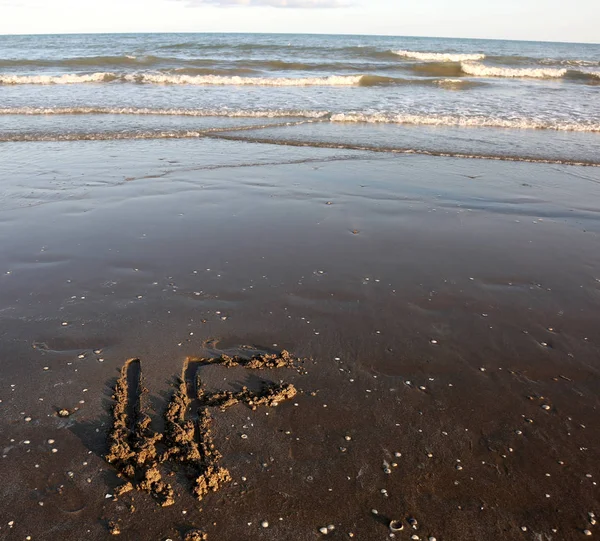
(444, 314)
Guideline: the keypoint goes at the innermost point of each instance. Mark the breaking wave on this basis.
(465, 121)
(230, 113)
(67, 79)
(383, 117)
(220, 80)
(480, 70)
(439, 57)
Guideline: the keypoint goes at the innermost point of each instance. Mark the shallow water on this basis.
(512, 89)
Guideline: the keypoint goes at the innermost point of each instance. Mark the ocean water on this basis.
(470, 98)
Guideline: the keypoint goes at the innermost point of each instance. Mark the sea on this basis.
(504, 100)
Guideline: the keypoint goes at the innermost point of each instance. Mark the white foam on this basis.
(480, 70)
(439, 57)
(220, 80)
(465, 121)
(67, 79)
(159, 78)
(231, 113)
(384, 117)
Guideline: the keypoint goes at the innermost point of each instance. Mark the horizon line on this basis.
(297, 34)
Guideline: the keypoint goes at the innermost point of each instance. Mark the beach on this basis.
(442, 312)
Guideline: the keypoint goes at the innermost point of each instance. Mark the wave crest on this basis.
(480, 70)
(381, 117)
(67, 79)
(464, 121)
(221, 80)
(230, 113)
(439, 57)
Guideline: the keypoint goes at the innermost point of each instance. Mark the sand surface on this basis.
(444, 314)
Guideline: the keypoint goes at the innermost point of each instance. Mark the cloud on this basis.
(302, 4)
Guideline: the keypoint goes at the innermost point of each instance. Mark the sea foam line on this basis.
(158, 78)
(464, 121)
(439, 57)
(67, 79)
(144, 111)
(382, 117)
(480, 70)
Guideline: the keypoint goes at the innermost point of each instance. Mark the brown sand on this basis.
(452, 371)
(133, 445)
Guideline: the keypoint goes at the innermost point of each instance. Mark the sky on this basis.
(544, 20)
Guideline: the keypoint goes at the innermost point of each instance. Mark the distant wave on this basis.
(439, 57)
(475, 69)
(156, 78)
(321, 115)
(67, 79)
(86, 61)
(159, 78)
(481, 70)
(220, 80)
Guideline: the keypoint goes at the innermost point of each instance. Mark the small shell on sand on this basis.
(396, 526)
(63, 413)
(264, 524)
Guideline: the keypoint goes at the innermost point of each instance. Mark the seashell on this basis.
(587, 532)
(413, 522)
(396, 526)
